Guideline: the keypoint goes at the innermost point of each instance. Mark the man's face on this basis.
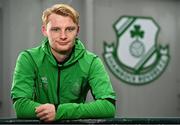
(61, 32)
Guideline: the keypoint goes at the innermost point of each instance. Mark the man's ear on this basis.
(78, 29)
(44, 30)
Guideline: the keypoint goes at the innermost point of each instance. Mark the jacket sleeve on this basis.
(25, 108)
(22, 90)
(99, 81)
(102, 92)
(95, 109)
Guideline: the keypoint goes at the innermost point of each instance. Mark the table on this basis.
(122, 120)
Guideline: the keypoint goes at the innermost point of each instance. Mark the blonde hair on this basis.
(63, 10)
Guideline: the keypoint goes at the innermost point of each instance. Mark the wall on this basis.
(177, 53)
(1, 54)
(21, 29)
(158, 98)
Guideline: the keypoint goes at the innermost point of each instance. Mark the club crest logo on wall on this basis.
(136, 58)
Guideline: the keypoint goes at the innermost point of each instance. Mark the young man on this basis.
(51, 81)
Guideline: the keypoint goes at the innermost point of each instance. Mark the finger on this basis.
(44, 118)
(41, 114)
(40, 109)
(49, 119)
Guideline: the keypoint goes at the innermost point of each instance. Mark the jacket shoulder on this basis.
(86, 61)
(35, 51)
(89, 55)
(36, 54)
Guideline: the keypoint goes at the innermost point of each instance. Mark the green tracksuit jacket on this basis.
(39, 79)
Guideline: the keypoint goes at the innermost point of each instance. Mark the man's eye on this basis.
(55, 29)
(70, 29)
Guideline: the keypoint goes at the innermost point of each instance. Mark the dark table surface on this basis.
(122, 120)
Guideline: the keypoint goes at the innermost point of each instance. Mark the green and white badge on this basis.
(136, 58)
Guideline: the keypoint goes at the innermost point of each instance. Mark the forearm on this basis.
(95, 109)
(25, 108)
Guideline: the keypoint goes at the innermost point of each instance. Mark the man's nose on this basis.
(63, 35)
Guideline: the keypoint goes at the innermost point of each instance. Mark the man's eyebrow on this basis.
(72, 26)
(55, 27)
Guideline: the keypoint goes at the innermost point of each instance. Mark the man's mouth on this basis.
(63, 43)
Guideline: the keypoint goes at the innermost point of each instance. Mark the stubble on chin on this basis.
(61, 51)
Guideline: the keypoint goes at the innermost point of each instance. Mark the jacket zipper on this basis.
(58, 85)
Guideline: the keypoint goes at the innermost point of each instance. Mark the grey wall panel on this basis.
(156, 99)
(1, 56)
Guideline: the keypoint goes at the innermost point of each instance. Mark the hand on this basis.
(46, 112)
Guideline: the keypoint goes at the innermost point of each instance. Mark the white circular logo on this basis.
(137, 59)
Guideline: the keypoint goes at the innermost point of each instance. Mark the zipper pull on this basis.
(59, 65)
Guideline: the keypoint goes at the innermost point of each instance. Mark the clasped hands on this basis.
(46, 112)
